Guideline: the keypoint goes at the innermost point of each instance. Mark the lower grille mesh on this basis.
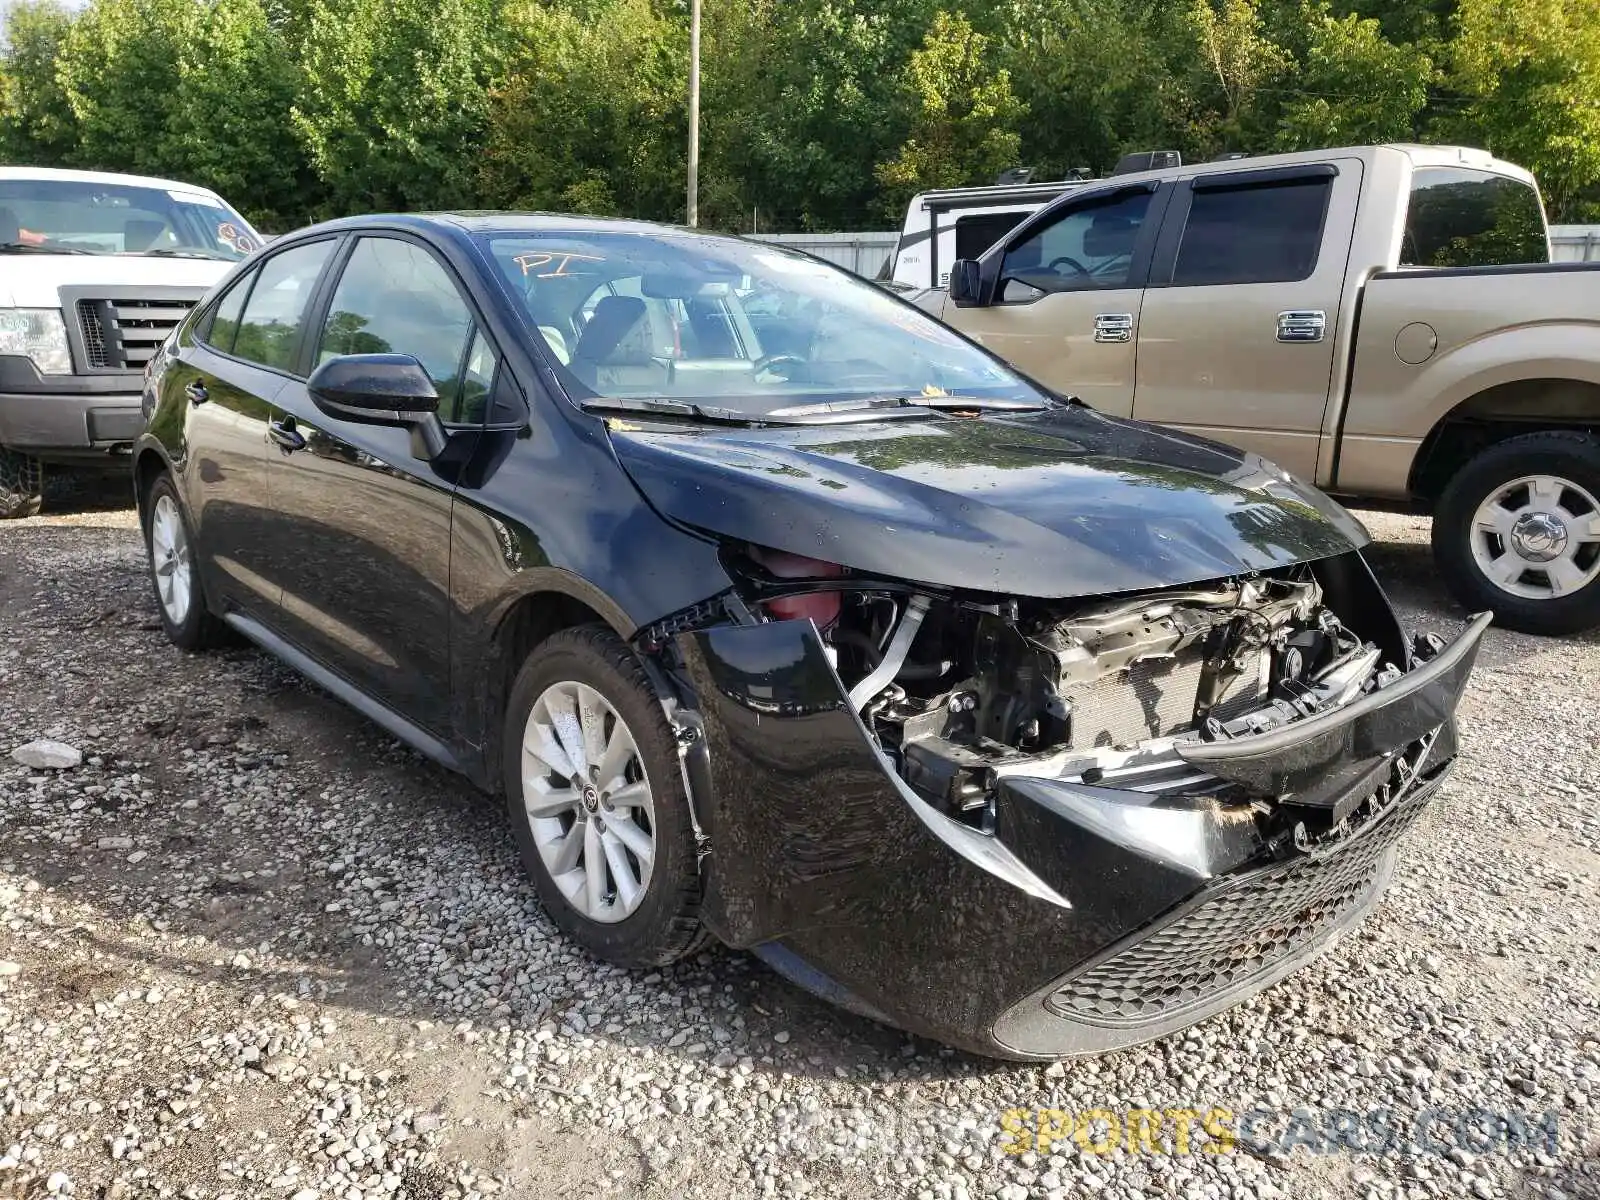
(1232, 938)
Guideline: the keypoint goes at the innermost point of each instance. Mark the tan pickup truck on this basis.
(1383, 321)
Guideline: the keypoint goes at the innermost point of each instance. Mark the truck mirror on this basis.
(966, 283)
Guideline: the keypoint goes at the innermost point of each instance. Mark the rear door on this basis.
(1237, 333)
(229, 375)
(1064, 293)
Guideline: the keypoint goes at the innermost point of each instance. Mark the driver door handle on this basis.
(1113, 327)
(288, 438)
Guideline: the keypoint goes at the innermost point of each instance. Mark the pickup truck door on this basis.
(1063, 295)
(1237, 334)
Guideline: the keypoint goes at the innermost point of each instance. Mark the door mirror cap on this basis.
(966, 281)
(377, 389)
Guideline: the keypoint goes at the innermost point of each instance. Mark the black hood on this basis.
(1063, 503)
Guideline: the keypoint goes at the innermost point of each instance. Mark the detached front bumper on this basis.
(1092, 918)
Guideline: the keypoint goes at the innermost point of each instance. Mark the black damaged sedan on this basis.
(781, 613)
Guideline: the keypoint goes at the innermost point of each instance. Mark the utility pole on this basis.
(694, 113)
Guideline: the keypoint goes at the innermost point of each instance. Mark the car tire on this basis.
(21, 485)
(175, 572)
(1517, 531)
(585, 689)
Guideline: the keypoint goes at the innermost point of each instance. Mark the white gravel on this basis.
(249, 946)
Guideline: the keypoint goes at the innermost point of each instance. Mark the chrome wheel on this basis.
(169, 559)
(588, 801)
(1538, 537)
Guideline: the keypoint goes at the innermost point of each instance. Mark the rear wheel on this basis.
(597, 801)
(1518, 531)
(21, 485)
(174, 573)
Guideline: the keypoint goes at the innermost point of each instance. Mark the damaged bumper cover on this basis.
(1090, 918)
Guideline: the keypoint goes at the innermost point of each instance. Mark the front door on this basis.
(1065, 303)
(368, 592)
(1237, 333)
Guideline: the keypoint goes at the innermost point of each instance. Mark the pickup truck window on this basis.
(1088, 247)
(976, 233)
(1465, 218)
(1256, 233)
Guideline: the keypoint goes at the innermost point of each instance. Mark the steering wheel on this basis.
(768, 361)
(1071, 262)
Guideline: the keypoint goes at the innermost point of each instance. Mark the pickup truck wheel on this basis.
(597, 801)
(21, 485)
(1518, 531)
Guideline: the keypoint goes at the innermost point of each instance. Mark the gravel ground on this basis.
(250, 946)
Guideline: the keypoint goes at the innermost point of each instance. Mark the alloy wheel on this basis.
(588, 801)
(169, 558)
(1538, 537)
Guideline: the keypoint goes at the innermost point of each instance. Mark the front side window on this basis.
(737, 325)
(269, 329)
(67, 216)
(1254, 233)
(1465, 218)
(1087, 247)
(395, 298)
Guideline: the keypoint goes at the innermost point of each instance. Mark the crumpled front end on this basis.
(1041, 829)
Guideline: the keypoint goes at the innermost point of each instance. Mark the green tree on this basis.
(119, 64)
(962, 115)
(1529, 75)
(393, 100)
(1238, 59)
(1096, 79)
(591, 115)
(228, 125)
(1354, 85)
(37, 124)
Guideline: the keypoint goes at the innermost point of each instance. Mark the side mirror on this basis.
(966, 282)
(381, 389)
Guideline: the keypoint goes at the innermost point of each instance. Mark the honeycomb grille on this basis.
(1233, 938)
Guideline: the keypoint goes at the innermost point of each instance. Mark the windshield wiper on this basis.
(165, 252)
(831, 413)
(25, 248)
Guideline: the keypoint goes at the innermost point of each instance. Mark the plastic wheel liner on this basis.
(1091, 918)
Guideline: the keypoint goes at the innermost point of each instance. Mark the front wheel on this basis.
(1518, 531)
(21, 485)
(597, 801)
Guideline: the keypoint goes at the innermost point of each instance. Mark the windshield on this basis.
(72, 217)
(741, 326)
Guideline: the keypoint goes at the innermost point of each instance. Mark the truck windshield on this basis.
(1465, 218)
(739, 326)
(75, 217)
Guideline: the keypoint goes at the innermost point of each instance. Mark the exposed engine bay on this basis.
(960, 693)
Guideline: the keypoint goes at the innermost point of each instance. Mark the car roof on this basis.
(512, 222)
(108, 177)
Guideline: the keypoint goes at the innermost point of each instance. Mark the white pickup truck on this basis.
(95, 271)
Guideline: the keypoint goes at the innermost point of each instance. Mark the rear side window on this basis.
(1464, 218)
(269, 330)
(225, 317)
(1257, 233)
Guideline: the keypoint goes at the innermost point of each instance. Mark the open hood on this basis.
(1056, 504)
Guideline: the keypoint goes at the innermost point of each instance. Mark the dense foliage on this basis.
(819, 114)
